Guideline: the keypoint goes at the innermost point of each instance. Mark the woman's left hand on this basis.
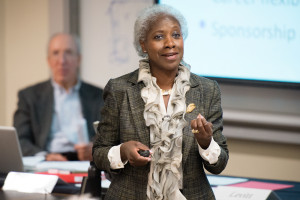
(202, 130)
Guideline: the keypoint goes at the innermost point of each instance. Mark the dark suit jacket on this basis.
(123, 120)
(33, 116)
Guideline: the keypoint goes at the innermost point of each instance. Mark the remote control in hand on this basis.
(144, 153)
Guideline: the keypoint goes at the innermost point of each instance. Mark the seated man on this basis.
(55, 118)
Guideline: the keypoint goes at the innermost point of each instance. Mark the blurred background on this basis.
(262, 123)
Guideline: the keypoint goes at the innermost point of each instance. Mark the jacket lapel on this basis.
(137, 106)
(45, 106)
(192, 96)
(87, 104)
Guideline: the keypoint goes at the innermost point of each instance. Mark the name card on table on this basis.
(30, 183)
(239, 193)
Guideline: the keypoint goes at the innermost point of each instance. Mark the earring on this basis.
(145, 51)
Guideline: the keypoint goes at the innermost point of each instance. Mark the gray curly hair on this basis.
(148, 16)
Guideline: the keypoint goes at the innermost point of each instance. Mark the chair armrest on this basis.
(92, 183)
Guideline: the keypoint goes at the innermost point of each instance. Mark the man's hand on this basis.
(84, 151)
(129, 151)
(202, 130)
(55, 157)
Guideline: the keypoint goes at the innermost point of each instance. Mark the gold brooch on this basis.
(190, 107)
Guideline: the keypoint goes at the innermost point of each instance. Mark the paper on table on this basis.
(37, 163)
(262, 185)
(238, 193)
(30, 162)
(30, 183)
(72, 166)
(221, 180)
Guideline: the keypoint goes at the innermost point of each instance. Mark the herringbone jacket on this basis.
(122, 121)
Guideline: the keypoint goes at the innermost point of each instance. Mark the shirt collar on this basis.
(59, 88)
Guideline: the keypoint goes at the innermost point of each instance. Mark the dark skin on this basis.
(205, 131)
(164, 46)
(129, 151)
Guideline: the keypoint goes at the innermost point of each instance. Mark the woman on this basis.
(165, 108)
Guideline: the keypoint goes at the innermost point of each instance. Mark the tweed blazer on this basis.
(123, 120)
(33, 116)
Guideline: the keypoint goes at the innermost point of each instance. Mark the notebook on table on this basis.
(10, 152)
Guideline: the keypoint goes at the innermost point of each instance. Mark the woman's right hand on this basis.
(129, 151)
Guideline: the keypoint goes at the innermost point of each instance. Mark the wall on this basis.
(24, 48)
(262, 126)
(24, 32)
(107, 38)
(2, 72)
(266, 160)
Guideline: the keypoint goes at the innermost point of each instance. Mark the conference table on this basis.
(65, 192)
(60, 192)
(291, 193)
(13, 195)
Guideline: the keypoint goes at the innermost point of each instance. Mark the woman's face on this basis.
(164, 44)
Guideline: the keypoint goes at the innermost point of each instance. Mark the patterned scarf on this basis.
(165, 178)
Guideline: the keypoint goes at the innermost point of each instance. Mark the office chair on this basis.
(92, 183)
